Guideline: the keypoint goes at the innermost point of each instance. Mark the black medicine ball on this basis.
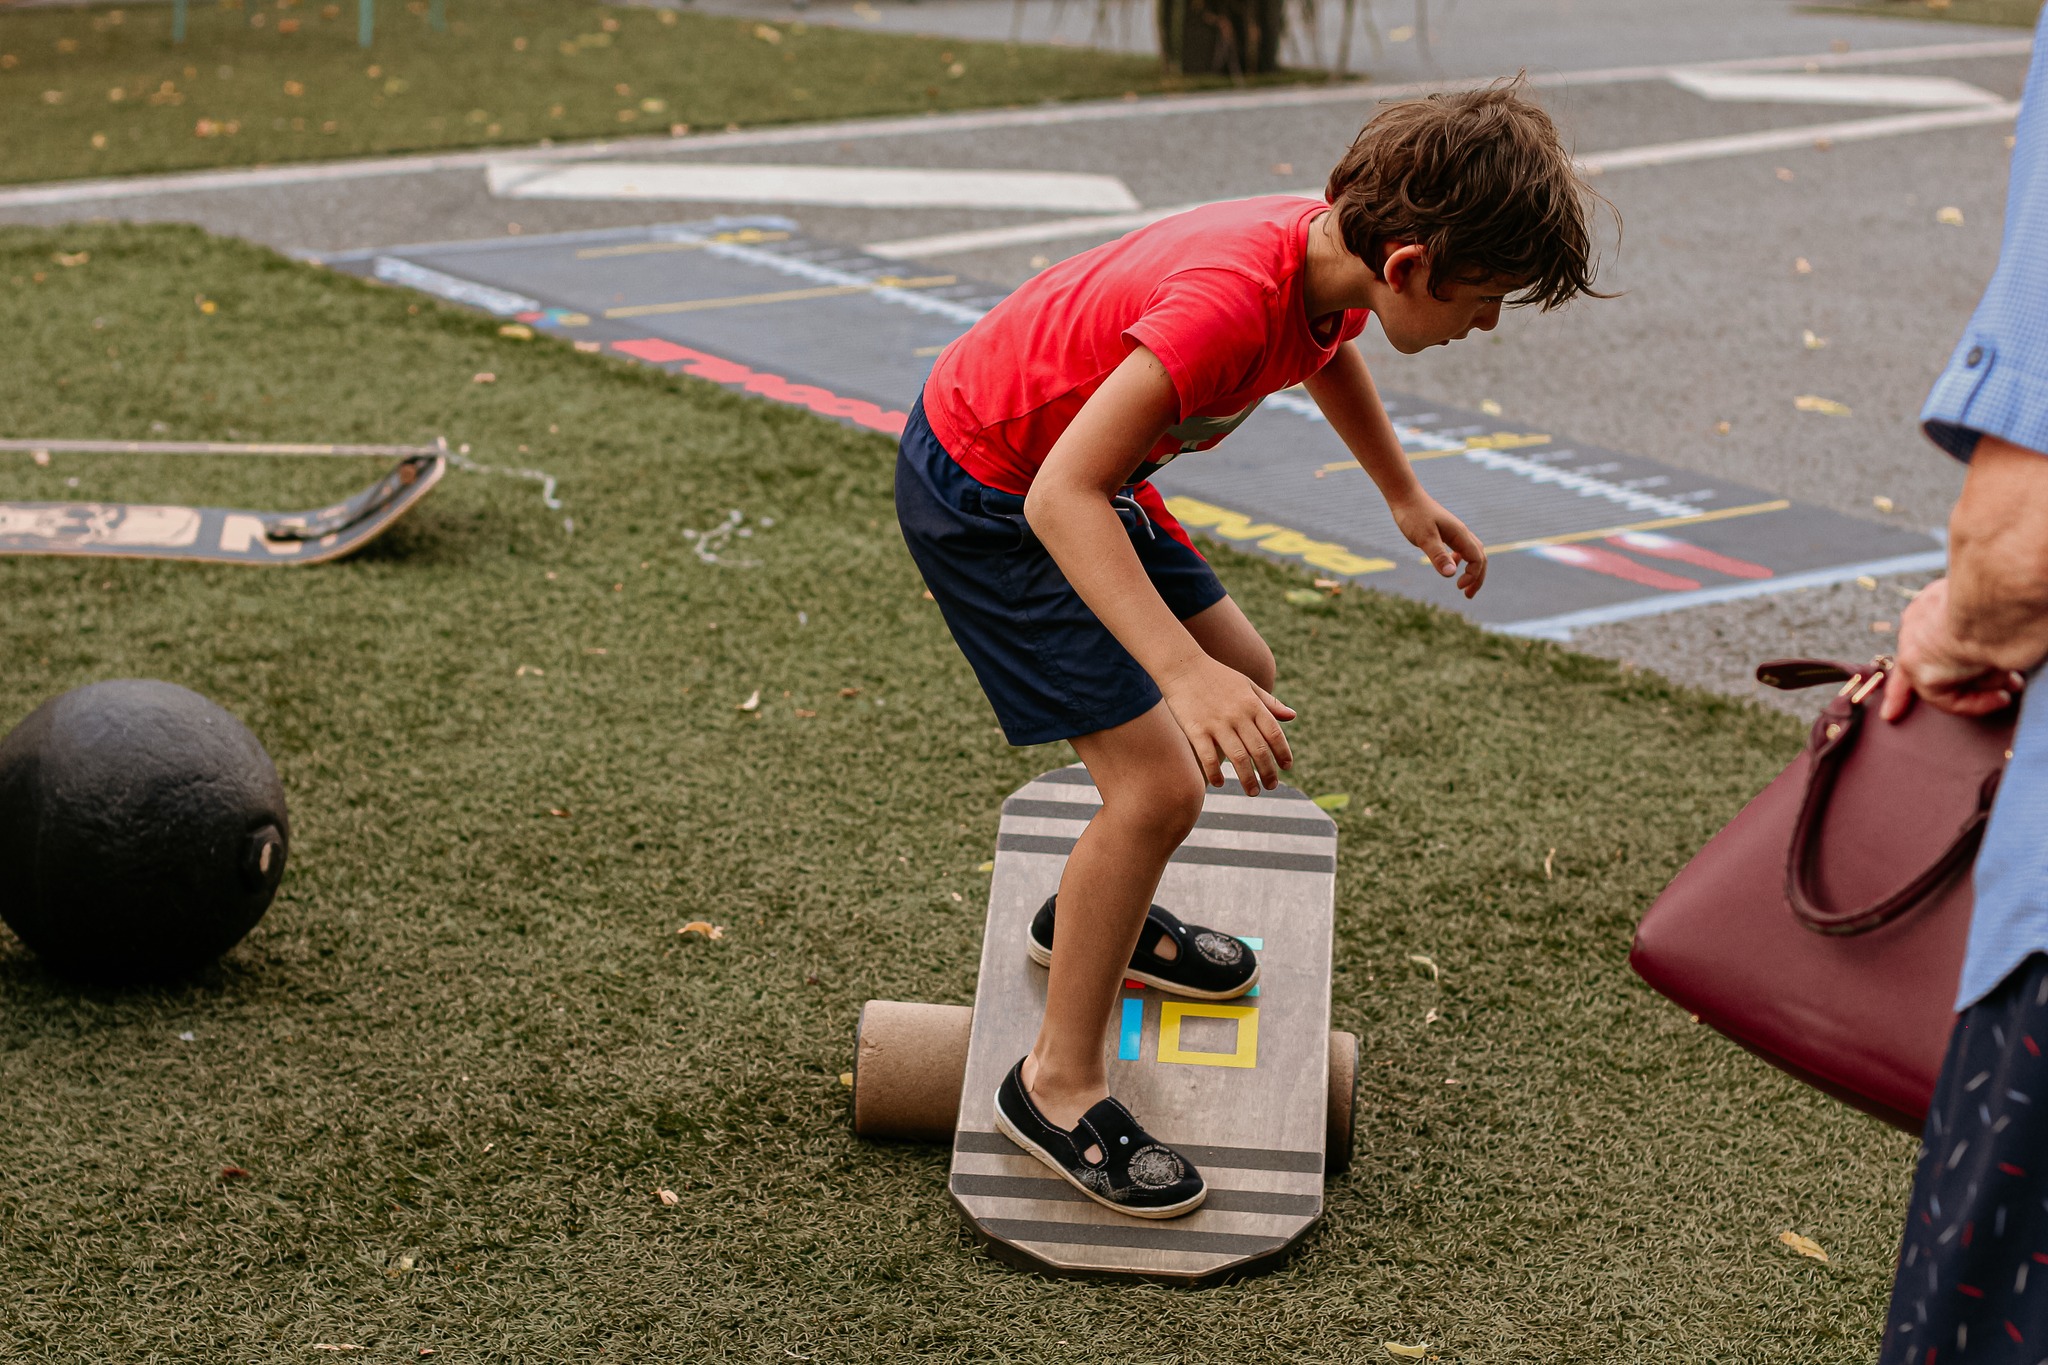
(142, 830)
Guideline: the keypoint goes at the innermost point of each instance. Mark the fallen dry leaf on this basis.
(1722, 428)
(525, 669)
(42, 458)
(1948, 215)
(1812, 342)
(1864, 580)
(1429, 962)
(1805, 1246)
(849, 692)
(558, 812)
(1881, 503)
(1802, 266)
(698, 926)
(334, 1346)
(846, 1079)
(1334, 801)
(1489, 407)
(483, 377)
(668, 1197)
(1784, 173)
(753, 701)
(517, 331)
(1330, 584)
(1546, 864)
(1407, 1352)
(233, 1173)
(1812, 402)
(986, 867)
(1431, 1017)
(592, 347)
(70, 259)
(802, 714)
(767, 34)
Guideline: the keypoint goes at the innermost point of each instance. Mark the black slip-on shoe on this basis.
(1138, 1174)
(1209, 965)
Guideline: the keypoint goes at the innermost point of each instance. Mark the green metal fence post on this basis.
(366, 22)
(178, 21)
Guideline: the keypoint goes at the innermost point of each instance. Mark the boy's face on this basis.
(1415, 319)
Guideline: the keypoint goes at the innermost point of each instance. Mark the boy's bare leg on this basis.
(1227, 635)
(1152, 792)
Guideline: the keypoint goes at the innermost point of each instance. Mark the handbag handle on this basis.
(1834, 734)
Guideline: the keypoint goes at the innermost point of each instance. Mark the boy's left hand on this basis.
(1444, 539)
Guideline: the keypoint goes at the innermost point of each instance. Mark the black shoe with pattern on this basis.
(1207, 964)
(1135, 1173)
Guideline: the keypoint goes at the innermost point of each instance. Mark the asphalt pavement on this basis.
(1697, 363)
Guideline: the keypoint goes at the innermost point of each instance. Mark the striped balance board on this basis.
(1240, 1087)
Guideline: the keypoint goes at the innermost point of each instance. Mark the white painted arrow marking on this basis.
(1807, 87)
(885, 187)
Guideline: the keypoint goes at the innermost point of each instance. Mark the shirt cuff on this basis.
(1984, 394)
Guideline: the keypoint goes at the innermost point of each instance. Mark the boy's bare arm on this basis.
(1223, 713)
(1344, 390)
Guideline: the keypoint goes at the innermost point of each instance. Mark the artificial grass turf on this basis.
(102, 91)
(468, 1046)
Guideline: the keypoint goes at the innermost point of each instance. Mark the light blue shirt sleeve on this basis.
(1996, 383)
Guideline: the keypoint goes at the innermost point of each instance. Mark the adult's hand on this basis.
(1967, 639)
(1934, 664)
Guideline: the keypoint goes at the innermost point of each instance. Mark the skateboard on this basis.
(1257, 1091)
(223, 535)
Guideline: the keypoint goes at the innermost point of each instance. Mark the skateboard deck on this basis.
(1240, 1087)
(223, 535)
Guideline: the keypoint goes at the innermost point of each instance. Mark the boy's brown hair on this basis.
(1480, 180)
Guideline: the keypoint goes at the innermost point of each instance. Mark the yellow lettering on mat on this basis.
(1274, 539)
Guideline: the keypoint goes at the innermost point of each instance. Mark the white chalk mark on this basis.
(1810, 87)
(872, 187)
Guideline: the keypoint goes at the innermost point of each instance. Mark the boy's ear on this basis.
(1405, 265)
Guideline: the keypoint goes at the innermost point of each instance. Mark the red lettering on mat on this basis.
(860, 412)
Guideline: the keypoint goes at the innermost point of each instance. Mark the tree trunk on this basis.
(1221, 37)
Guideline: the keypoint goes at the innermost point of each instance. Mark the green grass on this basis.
(242, 90)
(2002, 13)
(467, 1045)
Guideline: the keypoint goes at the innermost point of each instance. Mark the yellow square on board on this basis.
(1171, 1012)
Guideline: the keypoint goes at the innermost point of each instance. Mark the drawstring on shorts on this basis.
(1123, 501)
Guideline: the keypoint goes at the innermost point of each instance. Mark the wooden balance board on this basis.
(1256, 1091)
(221, 535)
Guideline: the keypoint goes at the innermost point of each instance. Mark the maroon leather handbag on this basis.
(1824, 928)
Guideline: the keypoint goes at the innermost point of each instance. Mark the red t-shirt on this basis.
(1216, 293)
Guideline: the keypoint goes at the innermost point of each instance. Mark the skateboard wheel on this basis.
(908, 1062)
(1343, 1106)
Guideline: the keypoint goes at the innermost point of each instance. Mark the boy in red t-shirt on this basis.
(1081, 604)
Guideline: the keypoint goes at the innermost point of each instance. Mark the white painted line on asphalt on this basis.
(1806, 87)
(1594, 163)
(873, 187)
(393, 270)
(1023, 234)
(1782, 139)
(1561, 628)
(1161, 106)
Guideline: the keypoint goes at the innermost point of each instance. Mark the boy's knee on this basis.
(1163, 810)
(1260, 667)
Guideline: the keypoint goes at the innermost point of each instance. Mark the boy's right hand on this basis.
(1226, 715)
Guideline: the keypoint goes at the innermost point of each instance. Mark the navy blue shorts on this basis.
(1050, 668)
